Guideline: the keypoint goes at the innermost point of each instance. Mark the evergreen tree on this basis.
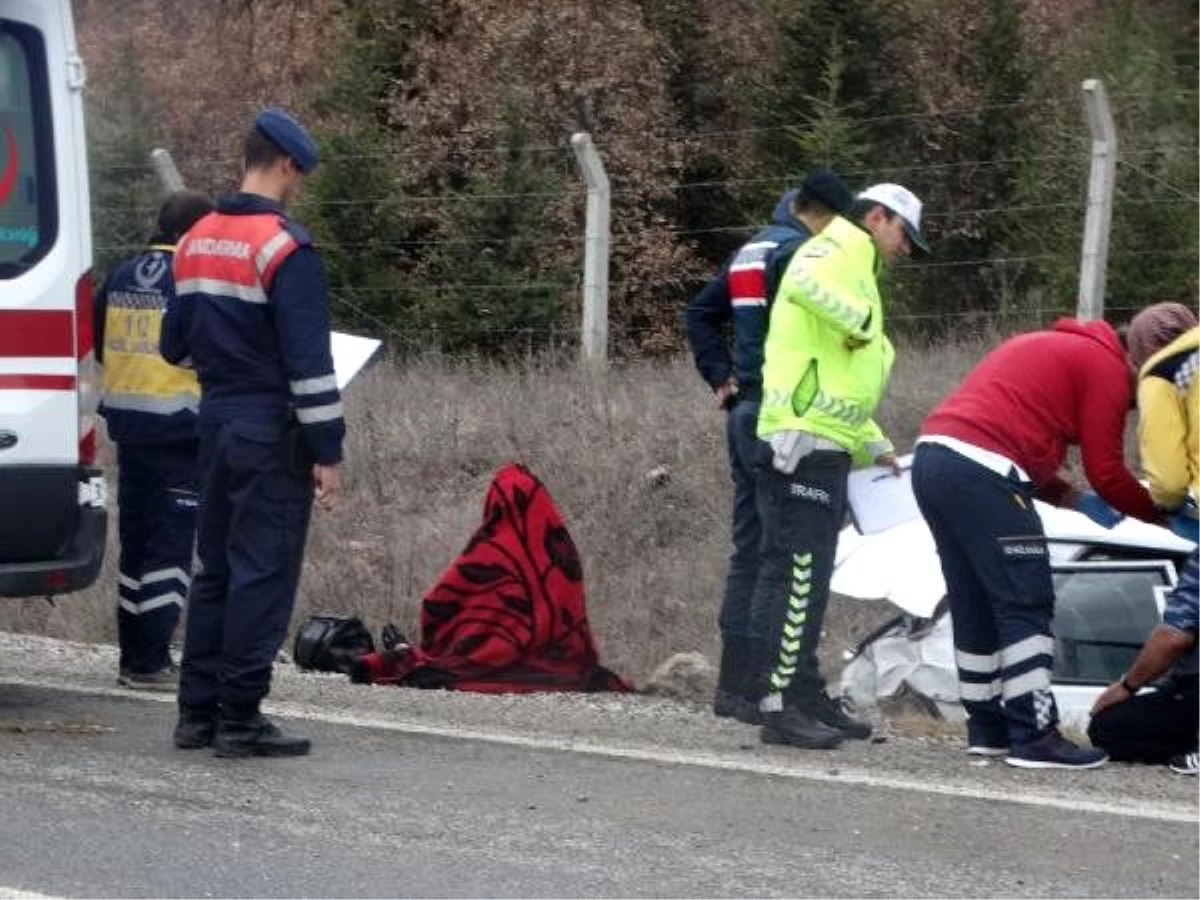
(493, 280)
(355, 204)
(830, 136)
(853, 41)
(125, 194)
(1136, 53)
(701, 101)
(977, 156)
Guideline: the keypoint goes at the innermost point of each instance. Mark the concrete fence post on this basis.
(594, 335)
(1094, 260)
(164, 167)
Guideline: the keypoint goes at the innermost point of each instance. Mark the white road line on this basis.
(8, 893)
(1162, 812)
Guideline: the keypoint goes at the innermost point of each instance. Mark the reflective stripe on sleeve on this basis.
(313, 414)
(269, 250)
(316, 385)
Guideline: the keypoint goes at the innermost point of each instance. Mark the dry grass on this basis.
(425, 439)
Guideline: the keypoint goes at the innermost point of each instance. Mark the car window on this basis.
(1103, 614)
(28, 218)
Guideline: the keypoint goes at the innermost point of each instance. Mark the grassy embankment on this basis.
(425, 438)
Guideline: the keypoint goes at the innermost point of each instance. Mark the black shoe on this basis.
(255, 736)
(195, 728)
(733, 706)
(747, 712)
(164, 681)
(798, 728)
(1053, 751)
(835, 714)
(725, 704)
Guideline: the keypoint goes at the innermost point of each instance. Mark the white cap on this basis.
(903, 203)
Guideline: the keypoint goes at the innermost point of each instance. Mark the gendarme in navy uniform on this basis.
(252, 316)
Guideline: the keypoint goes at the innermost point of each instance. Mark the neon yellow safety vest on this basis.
(140, 387)
(828, 303)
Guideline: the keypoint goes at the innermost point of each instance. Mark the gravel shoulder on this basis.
(614, 724)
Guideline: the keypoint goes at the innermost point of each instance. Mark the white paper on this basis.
(879, 500)
(350, 354)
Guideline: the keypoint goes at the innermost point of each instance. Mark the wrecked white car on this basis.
(1110, 587)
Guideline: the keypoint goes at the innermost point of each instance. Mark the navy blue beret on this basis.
(289, 136)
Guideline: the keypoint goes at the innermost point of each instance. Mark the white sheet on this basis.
(350, 354)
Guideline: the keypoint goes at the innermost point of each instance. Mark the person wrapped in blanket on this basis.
(508, 615)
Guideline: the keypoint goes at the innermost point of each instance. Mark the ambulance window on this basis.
(28, 207)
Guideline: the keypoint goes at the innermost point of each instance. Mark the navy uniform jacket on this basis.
(251, 314)
(742, 292)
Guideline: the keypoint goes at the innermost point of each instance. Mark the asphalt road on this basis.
(97, 803)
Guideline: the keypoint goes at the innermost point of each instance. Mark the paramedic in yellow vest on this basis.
(826, 365)
(150, 409)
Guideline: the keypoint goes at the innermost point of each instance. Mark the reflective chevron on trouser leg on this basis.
(801, 515)
(794, 618)
(148, 618)
(129, 589)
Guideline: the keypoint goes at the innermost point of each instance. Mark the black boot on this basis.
(244, 731)
(798, 728)
(195, 728)
(732, 677)
(833, 713)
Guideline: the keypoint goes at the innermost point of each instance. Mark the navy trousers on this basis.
(746, 532)
(255, 506)
(997, 569)
(802, 514)
(157, 498)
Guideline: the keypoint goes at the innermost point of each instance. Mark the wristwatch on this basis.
(1129, 687)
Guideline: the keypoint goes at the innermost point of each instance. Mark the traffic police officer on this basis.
(150, 408)
(742, 292)
(826, 363)
(252, 314)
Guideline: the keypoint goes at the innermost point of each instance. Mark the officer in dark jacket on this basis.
(741, 292)
(150, 408)
(252, 316)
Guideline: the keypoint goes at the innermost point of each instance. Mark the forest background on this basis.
(450, 212)
(450, 209)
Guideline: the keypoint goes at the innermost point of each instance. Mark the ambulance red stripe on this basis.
(37, 382)
(37, 332)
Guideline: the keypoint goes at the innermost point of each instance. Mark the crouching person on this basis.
(1157, 725)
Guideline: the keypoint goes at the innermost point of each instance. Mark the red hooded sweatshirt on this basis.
(1038, 393)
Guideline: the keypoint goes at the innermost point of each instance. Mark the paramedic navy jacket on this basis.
(251, 317)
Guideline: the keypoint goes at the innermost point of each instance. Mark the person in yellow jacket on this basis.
(1162, 345)
(826, 365)
(150, 407)
(1160, 725)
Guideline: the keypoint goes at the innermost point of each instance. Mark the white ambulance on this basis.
(52, 495)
